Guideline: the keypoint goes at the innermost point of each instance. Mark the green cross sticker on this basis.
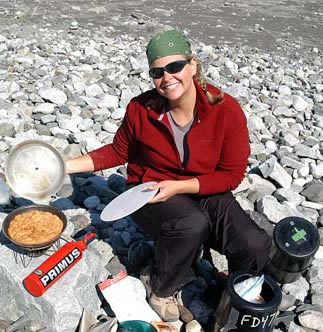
(299, 234)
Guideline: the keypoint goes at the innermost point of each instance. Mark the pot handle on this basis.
(163, 327)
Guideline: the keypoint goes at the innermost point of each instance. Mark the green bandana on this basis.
(170, 42)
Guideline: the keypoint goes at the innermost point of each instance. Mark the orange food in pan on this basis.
(35, 226)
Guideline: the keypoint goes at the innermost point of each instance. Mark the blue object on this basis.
(136, 326)
(4, 193)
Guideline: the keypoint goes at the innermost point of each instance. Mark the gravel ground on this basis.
(269, 25)
(64, 78)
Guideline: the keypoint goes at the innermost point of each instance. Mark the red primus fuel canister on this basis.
(53, 268)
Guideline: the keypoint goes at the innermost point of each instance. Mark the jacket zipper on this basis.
(182, 169)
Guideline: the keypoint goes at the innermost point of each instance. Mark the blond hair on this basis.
(199, 77)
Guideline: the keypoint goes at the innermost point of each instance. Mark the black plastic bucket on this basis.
(295, 242)
(236, 314)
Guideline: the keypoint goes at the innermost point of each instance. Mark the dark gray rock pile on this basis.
(71, 90)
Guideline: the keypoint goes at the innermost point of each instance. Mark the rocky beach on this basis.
(67, 72)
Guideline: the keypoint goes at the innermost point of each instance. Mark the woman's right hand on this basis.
(80, 164)
(170, 188)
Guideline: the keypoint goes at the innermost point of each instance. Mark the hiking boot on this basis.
(166, 307)
(145, 279)
(185, 315)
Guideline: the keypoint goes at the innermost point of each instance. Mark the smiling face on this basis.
(178, 86)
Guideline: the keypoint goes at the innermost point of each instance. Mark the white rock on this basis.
(294, 328)
(44, 108)
(110, 127)
(244, 185)
(60, 307)
(3, 48)
(86, 124)
(59, 131)
(284, 90)
(316, 170)
(92, 144)
(300, 182)
(48, 118)
(213, 73)
(93, 90)
(312, 205)
(289, 195)
(231, 65)
(91, 101)
(109, 101)
(255, 123)
(104, 249)
(3, 147)
(257, 181)
(271, 146)
(298, 288)
(257, 148)
(299, 103)
(245, 203)
(70, 124)
(126, 96)
(79, 85)
(311, 319)
(118, 114)
(85, 68)
(290, 140)
(275, 211)
(272, 169)
(319, 253)
(303, 171)
(136, 63)
(89, 51)
(69, 230)
(54, 95)
(193, 326)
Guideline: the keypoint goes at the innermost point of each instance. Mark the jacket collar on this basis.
(202, 105)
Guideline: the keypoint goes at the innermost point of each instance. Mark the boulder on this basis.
(60, 307)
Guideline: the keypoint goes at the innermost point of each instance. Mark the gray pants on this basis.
(182, 224)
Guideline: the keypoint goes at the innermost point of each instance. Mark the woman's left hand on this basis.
(170, 188)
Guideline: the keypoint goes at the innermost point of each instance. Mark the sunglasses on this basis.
(171, 68)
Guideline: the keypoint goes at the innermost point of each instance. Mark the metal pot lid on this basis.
(34, 170)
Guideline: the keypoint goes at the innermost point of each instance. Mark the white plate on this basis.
(128, 202)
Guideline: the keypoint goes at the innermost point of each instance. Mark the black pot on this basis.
(295, 242)
(45, 208)
(236, 314)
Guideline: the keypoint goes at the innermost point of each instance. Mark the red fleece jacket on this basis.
(218, 145)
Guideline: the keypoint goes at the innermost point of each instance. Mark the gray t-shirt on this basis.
(180, 136)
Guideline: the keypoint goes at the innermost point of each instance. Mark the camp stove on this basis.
(24, 255)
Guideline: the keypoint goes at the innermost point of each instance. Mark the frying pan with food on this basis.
(38, 207)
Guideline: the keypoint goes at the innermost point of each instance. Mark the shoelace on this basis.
(176, 297)
(170, 300)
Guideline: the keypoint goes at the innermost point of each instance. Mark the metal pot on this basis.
(39, 207)
(34, 170)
